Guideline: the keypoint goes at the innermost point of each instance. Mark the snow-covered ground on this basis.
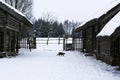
(43, 64)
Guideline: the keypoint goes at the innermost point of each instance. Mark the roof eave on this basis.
(86, 25)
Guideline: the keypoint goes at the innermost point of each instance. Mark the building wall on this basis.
(1, 39)
(9, 29)
(89, 39)
(115, 48)
(2, 23)
(104, 43)
(104, 49)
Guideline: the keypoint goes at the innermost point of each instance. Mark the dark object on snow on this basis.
(88, 54)
(61, 54)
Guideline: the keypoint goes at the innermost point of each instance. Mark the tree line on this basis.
(45, 28)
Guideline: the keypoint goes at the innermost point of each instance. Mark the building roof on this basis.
(14, 12)
(89, 23)
(111, 26)
(101, 12)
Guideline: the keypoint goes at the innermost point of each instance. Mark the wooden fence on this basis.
(28, 43)
(78, 44)
(68, 43)
(49, 41)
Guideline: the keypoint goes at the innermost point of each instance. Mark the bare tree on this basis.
(69, 26)
(49, 17)
(24, 6)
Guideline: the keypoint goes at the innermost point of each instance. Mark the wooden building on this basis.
(92, 43)
(13, 27)
(88, 34)
(91, 28)
(115, 47)
(108, 41)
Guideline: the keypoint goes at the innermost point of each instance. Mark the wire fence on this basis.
(28, 43)
(78, 44)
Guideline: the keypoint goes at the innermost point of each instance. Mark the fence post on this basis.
(73, 43)
(47, 40)
(25, 43)
(21, 43)
(30, 43)
(59, 40)
(79, 43)
(63, 42)
(34, 42)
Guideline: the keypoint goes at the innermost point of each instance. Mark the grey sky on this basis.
(78, 10)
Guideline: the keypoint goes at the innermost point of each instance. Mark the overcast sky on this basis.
(77, 10)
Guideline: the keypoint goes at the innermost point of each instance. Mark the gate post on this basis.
(48, 40)
(73, 43)
(59, 40)
(64, 42)
(34, 42)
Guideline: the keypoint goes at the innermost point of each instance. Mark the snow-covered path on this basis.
(43, 64)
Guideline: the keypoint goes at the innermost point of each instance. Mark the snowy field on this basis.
(43, 64)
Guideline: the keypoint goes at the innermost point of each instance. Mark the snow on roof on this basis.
(111, 26)
(101, 12)
(15, 10)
